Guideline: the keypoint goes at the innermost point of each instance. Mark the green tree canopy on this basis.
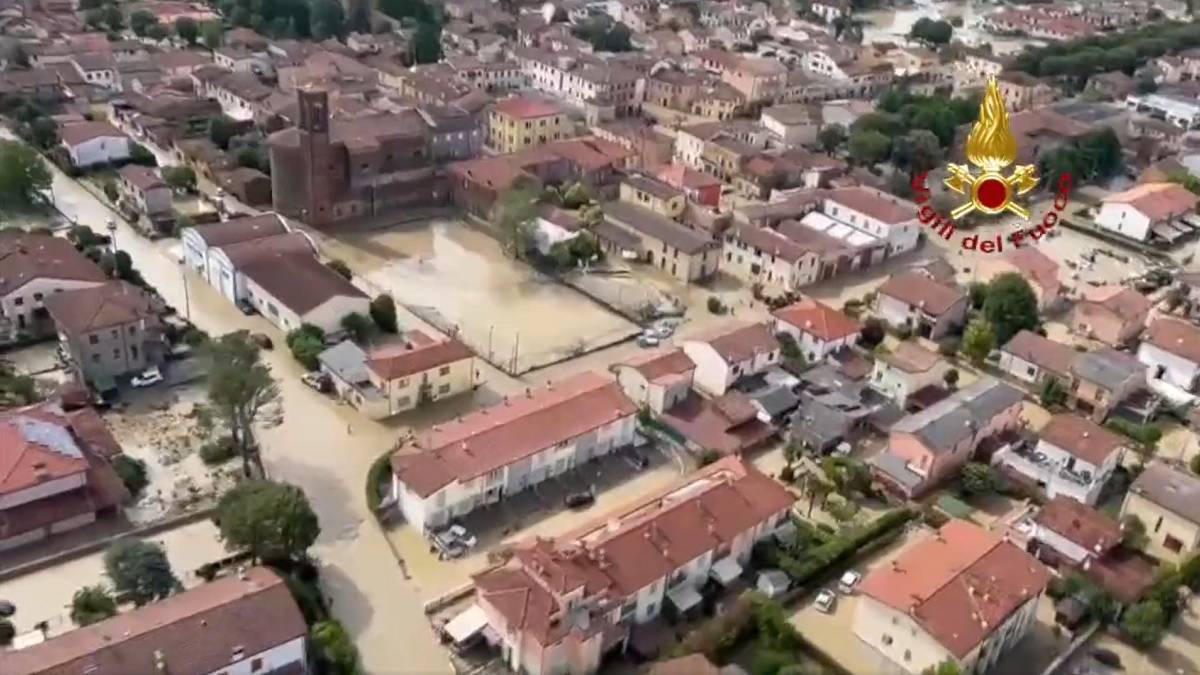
(1011, 306)
(140, 570)
(868, 148)
(1145, 624)
(187, 29)
(328, 19)
(272, 521)
(931, 32)
(831, 137)
(383, 312)
(978, 340)
(141, 21)
(239, 387)
(335, 648)
(23, 177)
(91, 604)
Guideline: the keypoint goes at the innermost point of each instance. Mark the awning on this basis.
(684, 597)
(466, 625)
(725, 570)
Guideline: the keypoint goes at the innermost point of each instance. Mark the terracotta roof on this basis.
(790, 244)
(1042, 352)
(402, 360)
(243, 252)
(919, 290)
(1126, 303)
(1176, 490)
(499, 435)
(818, 319)
(692, 664)
(1082, 438)
(525, 108)
(1035, 266)
(196, 631)
(1157, 201)
(619, 553)
(744, 342)
(1175, 337)
(660, 366)
(115, 303)
(959, 585)
(1080, 524)
(654, 226)
(143, 178)
(25, 257)
(652, 186)
(242, 229)
(299, 280)
(82, 132)
(727, 424)
(911, 357)
(686, 178)
(875, 204)
(36, 445)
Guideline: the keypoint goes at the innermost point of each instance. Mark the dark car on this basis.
(7, 609)
(579, 500)
(246, 308)
(1107, 657)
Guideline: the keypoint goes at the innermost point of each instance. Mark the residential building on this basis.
(242, 95)
(1167, 501)
(962, 595)
(877, 214)
(730, 354)
(109, 330)
(793, 123)
(248, 622)
(790, 255)
(391, 379)
(729, 424)
(698, 186)
(927, 307)
(1183, 112)
(58, 475)
(1074, 457)
(832, 10)
(143, 193)
(620, 571)
(928, 447)
(1148, 211)
(325, 171)
(818, 329)
(907, 369)
(652, 194)
(686, 254)
(1034, 359)
(1113, 315)
(480, 458)
(1103, 379)
(1023, 92)
(32, 268)
(1171, 351)
(656, 380)
(90, 144)
(520, 122)
(1039, 269)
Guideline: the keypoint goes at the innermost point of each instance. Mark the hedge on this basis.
(839, 549)
(375, 478)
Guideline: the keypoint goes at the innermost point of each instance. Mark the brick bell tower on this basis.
(316, 156)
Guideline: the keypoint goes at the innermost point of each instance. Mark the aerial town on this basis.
(631, 337)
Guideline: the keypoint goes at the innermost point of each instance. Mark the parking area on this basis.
(617, 479)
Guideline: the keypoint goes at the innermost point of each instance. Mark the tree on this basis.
(307, 342)
(1053, 394)
(43, 132)
(818, 491)
(141, 21)
(139, 154)
(91, 604)
(831, 138)
(341, 268)
(328, 19)
(1145, 624)
(335, 648)
(868, 148)
(220, 130)
(273, 522)
(873, 331)
(113, 18)
(383, 313)
(978, 341)
(943, 668)
(132, 472)
(514, 218)
(931, 32)
(427, 43)
(358, 326)
(182, 178)
(1133, 533)
(94, 18)
(1011, 306)
(23, 176)
(188, 30)
(918, 151)
(848, 476)
(212, 33)
(157, 32)
(951, 378)
(239, 387)
(140, 571)
(978, 292)
(978, 479)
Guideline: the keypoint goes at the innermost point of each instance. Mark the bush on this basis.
(873, 332)
(829, 557)
(787, 474)
(138, 154)
(1147, 435)
(307, 342)
(219, 451)
(359, 327)
(707, 457)
(132, 472)
(949, 346)
(1194, 463)
(379, 479)
(383, 313)
(715, 306)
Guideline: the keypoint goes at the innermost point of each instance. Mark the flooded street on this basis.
(455, 276)
(892, 25)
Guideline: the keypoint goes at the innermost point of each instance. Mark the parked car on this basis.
(147, 378)
(648, 339)
(662, 330)
(246, 308)
(7, 609)
(825, 601)
(447, 545)
(1107, 657)
(262, 340)
(318, 381)
(849, 582)
(463, 536)
(579, 500)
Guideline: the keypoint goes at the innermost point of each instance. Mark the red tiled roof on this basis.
(402, 360)
(1157, 201)
(36, 446)
(875, 204)
(1175, 337)
(525, 108)
(1035, 266)
(501, 434)
(1042, 352)
(239, 230)
(959, 585)
(686, 178)
(298, 280)
(196, 631)
(661, 365)
(1082, 438)
(818, 319)
(25, 257)
(742, 343)
(726, 425)
(918, 289)
(141, 177)
(1080, 524)
(82, 132)
(115, 303)
(911, 357)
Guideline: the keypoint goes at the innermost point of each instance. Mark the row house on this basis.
(241, 95)
(656, 380)
(559, 606)
(787, 257)
(907, 369)
(584, 80)
(730, 354)
(687, 254)
(451, 469)
(1113, 315)
(1074, 457)
(927, 307)
(818, 329)
(1171, 351)
(1166, 499)
(108, 331)
(34, 267)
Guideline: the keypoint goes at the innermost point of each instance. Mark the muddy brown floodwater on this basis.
(453, 275)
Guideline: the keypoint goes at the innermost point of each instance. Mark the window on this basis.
(256, 665)
(37, 297)
(95, 358)
(908, 655)
(116, 353)
(403, 401)
(1158, 524)
(1172, 544)
(887, 639)
(115, 333)
(444, 389)
(1031, 371)
(18, 301)
(444, 370)
(93, 339)
(133, 353)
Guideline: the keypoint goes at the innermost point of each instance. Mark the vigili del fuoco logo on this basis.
(988, 189)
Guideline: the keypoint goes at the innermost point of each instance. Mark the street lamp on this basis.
(187, 300)
(111, 226)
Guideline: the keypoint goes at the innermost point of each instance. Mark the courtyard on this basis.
(456, 278)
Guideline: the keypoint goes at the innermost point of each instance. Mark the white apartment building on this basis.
(730, 355)
(1074, 457)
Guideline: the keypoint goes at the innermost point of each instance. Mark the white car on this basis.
(825, 601)
(462, 535)
(147, 378)
(849, 582)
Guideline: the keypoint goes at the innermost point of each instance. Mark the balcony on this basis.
(1050, 473)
